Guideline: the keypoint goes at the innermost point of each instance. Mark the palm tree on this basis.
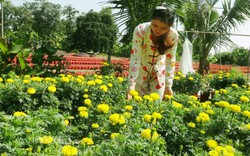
(200, 15)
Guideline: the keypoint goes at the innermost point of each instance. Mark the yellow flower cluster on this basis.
(177, 105)
(31, 90)
(217, 150)
(98, 81)
(46, 140)
(87, 102)
(234, 108)
(244, 98)
(65, 79)
(52, 89)
(95, 125)
(114, 135)
(104, 108)
(17, 114)
(83, 112)
(128, 107)
(87, 141)
(69, 150)
(246, 113)
(191, 124)
(146, 134)
(104, 88)
(155, 96)
(117, 119)
(203, 117)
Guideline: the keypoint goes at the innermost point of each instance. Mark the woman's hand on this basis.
(168, 91)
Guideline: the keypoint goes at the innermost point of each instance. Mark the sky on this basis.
(97, 5)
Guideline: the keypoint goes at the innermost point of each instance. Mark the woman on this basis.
(152, 60)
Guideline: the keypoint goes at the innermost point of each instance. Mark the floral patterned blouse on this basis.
(145, 61)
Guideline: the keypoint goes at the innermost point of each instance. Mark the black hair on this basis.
(166, 15)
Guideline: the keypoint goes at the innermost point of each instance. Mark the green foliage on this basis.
(84, 107)
(95, 31)
(238, 57)
(223, 80)
(189, 84)
(26, 56)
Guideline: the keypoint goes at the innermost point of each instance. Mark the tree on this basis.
(95, 31)
(200, 15)
(47, 17)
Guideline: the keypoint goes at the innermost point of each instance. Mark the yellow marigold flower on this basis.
(147, 118)
(95, 125)
(247, 126)
(69, 150)
(127, 114)
(223, 91)
(85, 96)
(169, 97)
(137, 98)
(104, 108)
(210, 111)
(10, 80)
(223, 104)
(17, 114)
(110, 85)
(234, 108)
(117, 119)
(87, 102)
(133, 93)
(246, 113)
(1, 79)
(61, 75)
(128, 107)
(244, 99)
(71, 117)
(114, 135)
(65, 79)
(36, 79)
(99, 76)
(202, 117)
(46, 140)
(221, 149)
(230, 149)
(26, 81)
(235, 85)
(211, 143)
(105, 64)
(98, 81)
(177, 105)
(156, 115)
(80, 77)
(146, 134)
(79, 80)
(84, 114)
(148, 98)
(52, 89)
(66, 122)
(87, 141)
(82, 108)
(86, 90)
(191, 78)
(177, 78)
(120, 79)
(192, 97)
(91, 83)
(155, 96)
(104, 88)
(31, 91)
(216, 92)
(202, 132)
(213, 153)
(191, 124)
